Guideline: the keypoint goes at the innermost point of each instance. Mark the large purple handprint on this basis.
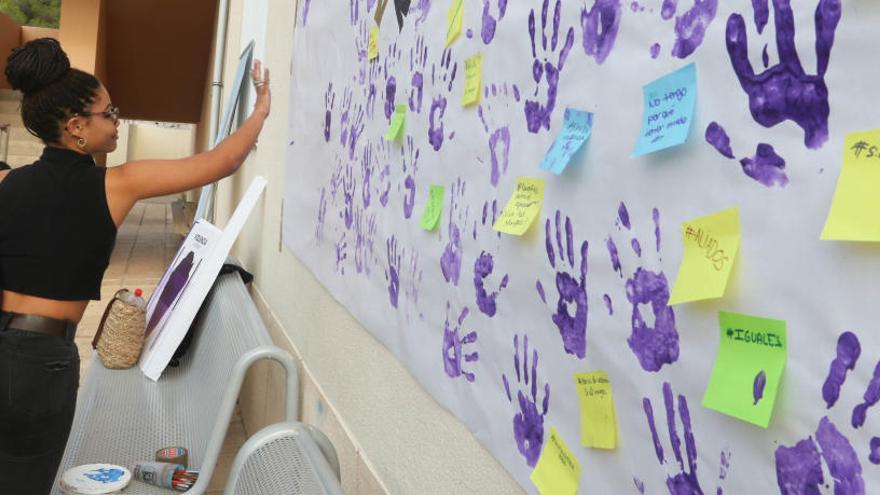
(600, 25)
(799, 468)
(571, 287)
(498, 134)
(450, 260)
(391, 59)
(785, 91)
(418, 57)
(528, 423)
(537, 112)
(685, 481)
(657, 345)
(483, 268)
(448, 70)
(490, 22)
(452, 346)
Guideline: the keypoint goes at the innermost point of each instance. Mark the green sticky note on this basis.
(522, 207)
(473, 82)
(454, 21)
(373, 47)
(749, 366)
(856, 204)
(431, 215)
(398, 122)
(558, 471)
(598, 419)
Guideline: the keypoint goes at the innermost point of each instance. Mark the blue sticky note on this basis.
(576, 129)
(669, 111)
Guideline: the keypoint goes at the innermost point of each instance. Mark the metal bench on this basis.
(122, 417)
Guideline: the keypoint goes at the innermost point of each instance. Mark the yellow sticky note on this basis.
(398, 122)
(522, 208)
(373, 50)
(710, 247)
(473, 82)
(454, 21)
(598, 420)
(856, 204)
(558, 471)
(431, 215)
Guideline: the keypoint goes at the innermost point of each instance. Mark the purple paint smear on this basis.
(718, 138)
(600, 25)
(874, 456)
(329, 102)
(409, 200)
(766, 166)
(655, 50)
(571, 288)
(871, 397)
(668, 9)
(423, 7)
(490, 22)
(438, 105)
(843, 463)
(393, 270)
(799, 469)
(173, 287)
(390, 93)
(691, 26)
(483, 267)
(528, 423)
(785, 91)
(452, 347)
(758, 387)
(540, 288)
(848, 351)
(537, 112)
(608, 305)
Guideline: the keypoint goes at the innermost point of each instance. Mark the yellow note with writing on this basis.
(856, 204)
(454, 21)
(710, 247)
(522, 208)
(473, 82)
(558, 471)
(598, 420)
(373, 48)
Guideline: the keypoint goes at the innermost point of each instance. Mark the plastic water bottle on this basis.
(136, 299)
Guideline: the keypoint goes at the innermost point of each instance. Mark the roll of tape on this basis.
(172, 455)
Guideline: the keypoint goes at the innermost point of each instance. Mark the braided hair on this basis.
(53, 91)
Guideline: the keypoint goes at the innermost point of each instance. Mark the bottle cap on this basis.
(138, 292)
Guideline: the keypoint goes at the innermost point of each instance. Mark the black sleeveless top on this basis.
(56, 232)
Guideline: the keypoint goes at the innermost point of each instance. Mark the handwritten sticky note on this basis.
(598, 420)
(856, 204)
(523, 206)
(576, 129)
(669, 110)
(373, 48)
(558, 471)
(473, 82)
(749, 366)
(454, 21)
(710, 247)
(398, 122)
(431, 215)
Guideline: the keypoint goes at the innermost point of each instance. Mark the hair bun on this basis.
(36, 65)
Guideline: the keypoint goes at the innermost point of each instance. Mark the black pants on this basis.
(39, 378)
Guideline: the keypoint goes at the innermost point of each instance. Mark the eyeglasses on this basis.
(112, 114)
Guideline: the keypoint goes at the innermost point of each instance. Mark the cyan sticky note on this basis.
(576, 130)
(668, 111)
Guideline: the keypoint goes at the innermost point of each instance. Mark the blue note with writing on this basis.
(576, 129)
(669, 111)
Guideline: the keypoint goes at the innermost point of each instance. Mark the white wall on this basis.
(381, 421)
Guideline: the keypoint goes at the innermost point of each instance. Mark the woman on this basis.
(58, 221)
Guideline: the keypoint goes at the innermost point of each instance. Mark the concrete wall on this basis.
(390, 434)
(10, 36)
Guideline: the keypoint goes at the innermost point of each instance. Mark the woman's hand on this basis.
(261, 85)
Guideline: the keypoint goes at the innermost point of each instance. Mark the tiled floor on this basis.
(145, 245)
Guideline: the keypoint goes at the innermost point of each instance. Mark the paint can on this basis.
(94, 479)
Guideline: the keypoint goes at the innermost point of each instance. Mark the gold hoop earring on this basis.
(81, 143)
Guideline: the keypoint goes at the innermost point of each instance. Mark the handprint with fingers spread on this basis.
(450, 260)
(528, 423)
(453, 343)
(785, 91)
(443, 81)
(392, 273)
(418, 58)
(544, 71)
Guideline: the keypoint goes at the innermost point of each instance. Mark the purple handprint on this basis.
(329, 103)
(390, 81)
(452, 347)
(799, 467)
(785, 91)
(413, 283)
(343, 120)
(367, 167)
(691, 26)
(528, 423)
(392, 273)
(600, 25)
(490, 22)
(718, 138)
(450, 260)
(348, 186)
(766, 166)
(365, 234)
(448, 70)
(655, 346)
(499, 135)
(410, 167)
(572, 289)
(385, 185)
(538, 113)
(341, 253)
(685, 481)
(483, 268)
(418, 58)
(322, 215)
(423, 8)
